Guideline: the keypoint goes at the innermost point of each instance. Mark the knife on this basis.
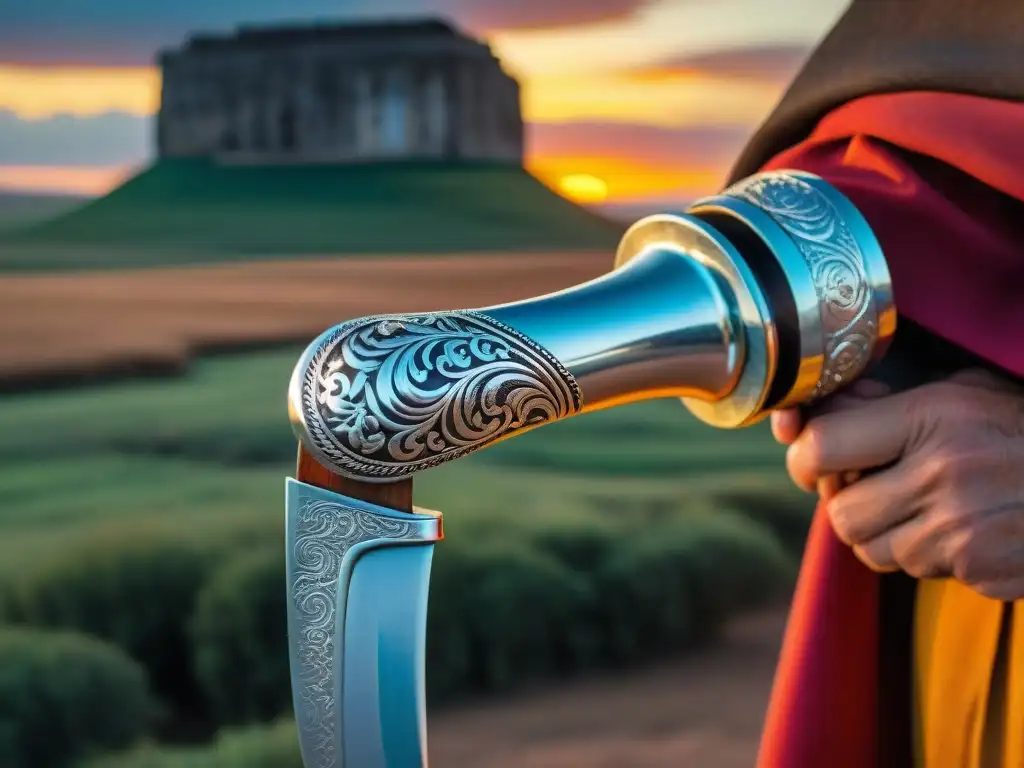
(772, 294)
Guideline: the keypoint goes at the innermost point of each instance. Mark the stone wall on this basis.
(325, 100)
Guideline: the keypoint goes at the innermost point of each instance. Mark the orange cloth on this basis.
(1013, 723)
(956, 255)
(956, 635)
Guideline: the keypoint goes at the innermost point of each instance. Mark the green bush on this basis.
(645, 593)
(513, 612)
(543, 602)
(241, 638)
(736, 564)
(498, 612)
(669, 586)
(64, 696)
(787, 515)
(275, 746)
(136, 589)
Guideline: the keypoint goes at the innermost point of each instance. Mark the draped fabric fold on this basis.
(940, 179)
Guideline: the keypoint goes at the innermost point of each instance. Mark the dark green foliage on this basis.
(606, 539)
(275, 746)
(241, 638)
(505, 610)
(64, 696)
(789, 518)
(517, 610)
(136, 589)
(670, 586)
(735, 564)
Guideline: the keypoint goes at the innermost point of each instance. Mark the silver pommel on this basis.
(774, 293)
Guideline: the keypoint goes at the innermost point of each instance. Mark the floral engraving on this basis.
(321, 532)
(837, 268)
(388, 396)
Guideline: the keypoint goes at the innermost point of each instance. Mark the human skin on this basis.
(948, 499)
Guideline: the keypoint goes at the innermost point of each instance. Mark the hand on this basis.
(787, 424)
(949, 499)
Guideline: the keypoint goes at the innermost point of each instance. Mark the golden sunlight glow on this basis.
(583, 188)
(625, 179)
(35, 93)
(630, 69)
(668, 100)
(67, 180)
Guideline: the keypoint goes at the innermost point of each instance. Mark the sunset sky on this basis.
(629, 101)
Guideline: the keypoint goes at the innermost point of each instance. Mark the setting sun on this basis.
(583, 188)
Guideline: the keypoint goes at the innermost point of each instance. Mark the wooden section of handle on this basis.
(396, 496)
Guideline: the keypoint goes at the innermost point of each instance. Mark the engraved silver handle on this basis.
(773, 293)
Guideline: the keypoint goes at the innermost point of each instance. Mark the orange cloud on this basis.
(67, 180)
(711, 146)
(771, 64)
(484, 17)
(684, 99)
(39, 92)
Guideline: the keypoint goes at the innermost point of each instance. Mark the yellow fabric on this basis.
(1013, 742)
(968, 685)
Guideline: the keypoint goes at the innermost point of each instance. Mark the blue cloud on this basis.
(111, 139)
(129, 32)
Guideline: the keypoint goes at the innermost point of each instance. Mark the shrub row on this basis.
(207, 622)
(64, 695)
(274, 746)
(503, 611)
(135, 586)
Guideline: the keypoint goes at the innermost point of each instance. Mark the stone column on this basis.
(467, 131)
(363, 109)
(346, 126)
(435, 112)
(394, 112)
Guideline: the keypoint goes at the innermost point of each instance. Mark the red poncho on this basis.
(953, 235)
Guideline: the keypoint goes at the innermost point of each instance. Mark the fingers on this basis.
(916, 546)
(865, 434)
(869, 389)
(874, 505)
(1007, 591)
(878, 555)
(829, 485)
(893, 523)
(786, 425)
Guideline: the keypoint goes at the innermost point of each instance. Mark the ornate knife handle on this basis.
(774, 293)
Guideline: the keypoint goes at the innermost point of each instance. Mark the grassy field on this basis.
(128, 510)
(57, 325)
(213, 449)
(180, 212)
(97, 481)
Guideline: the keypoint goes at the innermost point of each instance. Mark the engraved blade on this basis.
(357, 580)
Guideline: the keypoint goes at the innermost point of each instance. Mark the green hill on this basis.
(203, 207)
(21, 210)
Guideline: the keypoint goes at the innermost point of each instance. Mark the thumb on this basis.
(853, 435)
(787, 423)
